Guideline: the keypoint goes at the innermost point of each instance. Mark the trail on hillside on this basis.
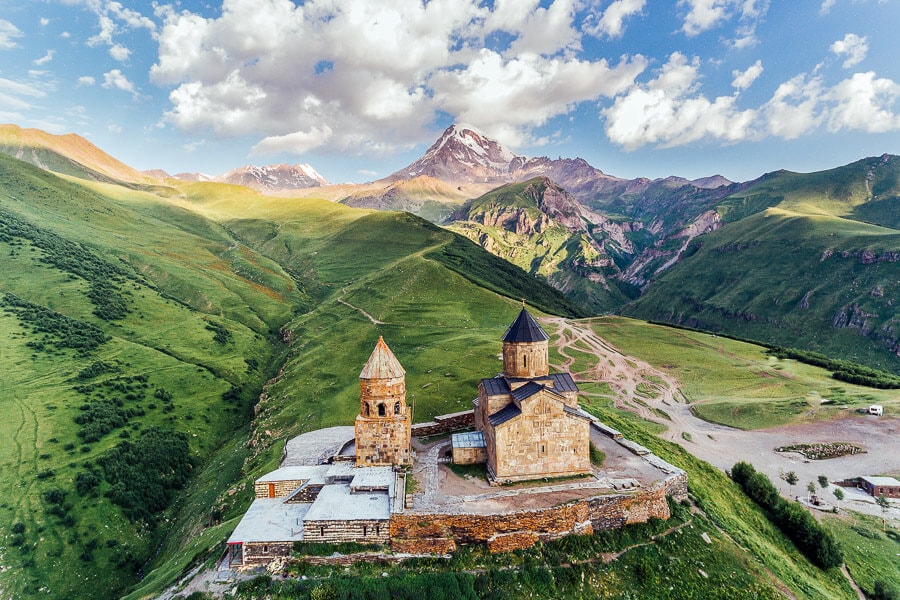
(637, 386)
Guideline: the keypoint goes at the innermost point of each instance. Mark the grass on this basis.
(869, 553)
(736, 383)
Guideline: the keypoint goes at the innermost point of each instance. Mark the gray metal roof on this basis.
(338, 503)
(527, 391)
(471, 439)
(577, 412)
(271, 520)
(563, 382)
(525, 329)
(510, 411)
(312, 474)
(882, 481)
(372, 478)
(495, 386)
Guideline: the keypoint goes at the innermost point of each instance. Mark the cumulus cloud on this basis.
(744, 79)
(825, 8)
(853, 47)
(668, 111)
(115, 80)
(44, 21)
(612, 22)
(704, 14)
(795, 107)
(8, 35)
(85, 81)
(864, 103)
(340, 75)
(119, 52)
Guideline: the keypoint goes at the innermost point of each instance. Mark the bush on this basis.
(18, 527)
(885, 591)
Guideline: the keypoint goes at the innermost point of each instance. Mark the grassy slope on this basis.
(444, 329)
(554, 253)
(182, 279)
(736, 383)
(791, 259)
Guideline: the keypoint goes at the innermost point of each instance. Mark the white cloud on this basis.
(826, 7)
(744, 79)
(612, 22)
(116, 80)
(703, 15)
(44, 21)
(864, 103)
(795, 108)
(668, 111)
(44, 59)
(853, 47)
(340, 75)
(114, 128)
(119, 52)
(86, 80)
(8, 35)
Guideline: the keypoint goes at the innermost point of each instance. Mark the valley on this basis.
(163, 338)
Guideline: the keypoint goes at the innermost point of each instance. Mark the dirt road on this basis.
(654, 395)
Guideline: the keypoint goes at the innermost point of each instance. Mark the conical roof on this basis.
(382, 363)
(525, 329)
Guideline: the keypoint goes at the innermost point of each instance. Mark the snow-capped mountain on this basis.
(462, 155)
(274, 178)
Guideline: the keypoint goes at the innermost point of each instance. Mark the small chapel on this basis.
(527, 419)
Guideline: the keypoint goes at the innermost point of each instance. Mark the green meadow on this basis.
(737, 383)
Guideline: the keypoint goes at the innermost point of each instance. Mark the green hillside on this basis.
(161, 348)
(547, 238)
(796, 266)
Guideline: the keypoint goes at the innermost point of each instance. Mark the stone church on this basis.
(529, 418)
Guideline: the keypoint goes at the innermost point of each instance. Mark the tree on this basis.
(823, 481)
(811, 488)
(882, 502)
(839, 493)
(791, 479)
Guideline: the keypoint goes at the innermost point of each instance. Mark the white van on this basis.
(876, 409)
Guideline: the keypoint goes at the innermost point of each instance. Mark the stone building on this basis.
(383, 424)
(529, 418)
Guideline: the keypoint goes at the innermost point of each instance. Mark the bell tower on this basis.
(525, 348)
(383, 424)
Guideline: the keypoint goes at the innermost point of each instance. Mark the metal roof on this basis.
(314, 475)
(471, 439)
(577, 412)
(525, 329)
(882, 481)
(563, 382)
(510, 411)
(495, 386)
(338, 503)
(527, 391)
(382, 363)
(270, 520)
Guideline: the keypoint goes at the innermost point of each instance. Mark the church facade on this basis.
(529, 418)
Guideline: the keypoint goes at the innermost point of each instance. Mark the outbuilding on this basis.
(881, 486)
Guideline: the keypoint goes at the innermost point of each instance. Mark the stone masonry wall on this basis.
(282, 488)
(259, 553)
(445, 424)
(366, 531)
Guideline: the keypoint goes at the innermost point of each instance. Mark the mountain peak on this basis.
(462, 155)
(274, 178)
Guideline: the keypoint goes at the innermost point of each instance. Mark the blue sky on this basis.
(360, 88)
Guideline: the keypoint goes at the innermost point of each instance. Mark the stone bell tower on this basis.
(383, 424)
(525, 348)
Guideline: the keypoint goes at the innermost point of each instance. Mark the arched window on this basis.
(366, 409)
(396, 408)
(380, 409)
(525, 361)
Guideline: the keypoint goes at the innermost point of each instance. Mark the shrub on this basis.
(18, 527)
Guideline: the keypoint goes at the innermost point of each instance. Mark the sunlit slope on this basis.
(66, 154)
(806, 272)
(117, 322)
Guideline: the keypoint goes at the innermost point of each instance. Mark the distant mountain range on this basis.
(805, 260)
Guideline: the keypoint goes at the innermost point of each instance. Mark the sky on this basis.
(360, 88)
